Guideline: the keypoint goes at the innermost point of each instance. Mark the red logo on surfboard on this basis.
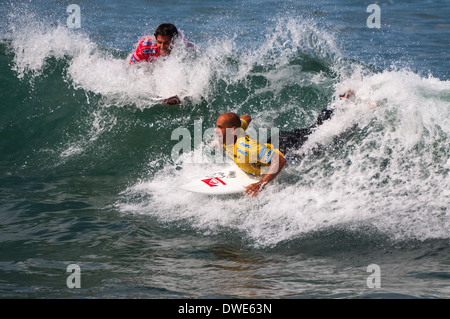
(213, 182)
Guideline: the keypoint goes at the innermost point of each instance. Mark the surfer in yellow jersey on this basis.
(252, 157)
(263, 159)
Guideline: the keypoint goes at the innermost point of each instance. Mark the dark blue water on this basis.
(87, 175)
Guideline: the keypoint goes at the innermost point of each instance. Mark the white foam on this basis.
(184, 73)
(95, 70)
(99, 123)
(390, 177)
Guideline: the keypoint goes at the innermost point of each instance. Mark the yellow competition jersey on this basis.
(251, 156)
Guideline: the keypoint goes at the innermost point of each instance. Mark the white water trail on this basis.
(391, 174)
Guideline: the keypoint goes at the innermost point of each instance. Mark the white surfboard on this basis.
(231, 180)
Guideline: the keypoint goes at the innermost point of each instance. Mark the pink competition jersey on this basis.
(146, 50)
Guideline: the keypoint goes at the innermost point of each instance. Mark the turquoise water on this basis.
(87, 175)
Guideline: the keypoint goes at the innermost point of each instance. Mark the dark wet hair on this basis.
(166, 29)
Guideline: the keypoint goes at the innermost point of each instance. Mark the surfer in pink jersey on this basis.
(159, 44)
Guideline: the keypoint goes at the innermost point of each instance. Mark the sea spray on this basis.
(381, 161)
(382, 164)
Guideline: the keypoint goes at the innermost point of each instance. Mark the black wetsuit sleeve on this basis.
(293, 140)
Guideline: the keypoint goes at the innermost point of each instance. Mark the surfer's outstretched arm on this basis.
(277, 164)
(245, 121)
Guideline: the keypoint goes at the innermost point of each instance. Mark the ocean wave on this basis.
(383, 160)
(389, 174)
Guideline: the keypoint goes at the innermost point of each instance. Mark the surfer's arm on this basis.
(136, 56)
(247, 118)
(277, 164)
(146, 50)
(245, 121)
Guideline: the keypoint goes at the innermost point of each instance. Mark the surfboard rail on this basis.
(230, 180)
